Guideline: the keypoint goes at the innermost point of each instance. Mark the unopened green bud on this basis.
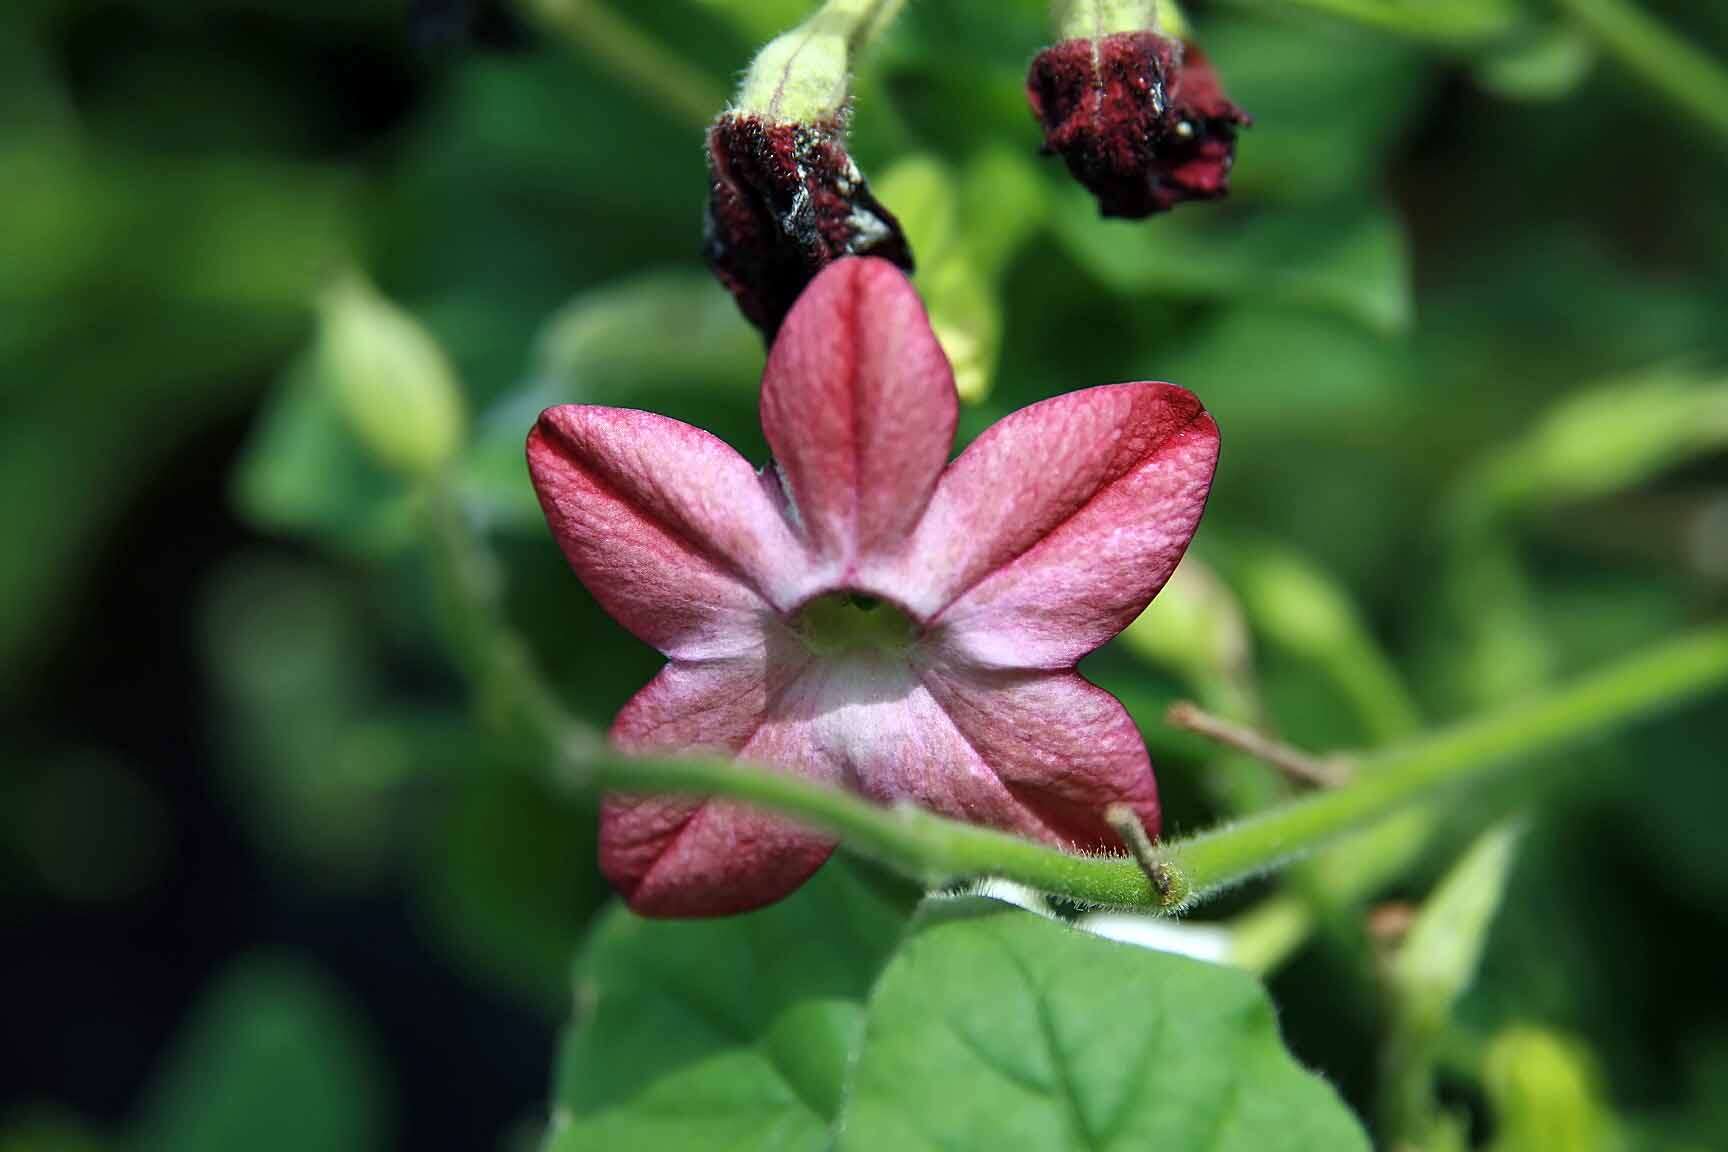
(1546, 1094)
(922, 190)
(959, 295)
(1194, 626)
(1438, 959)
(1294, 603)
(1003, 201)
(1300, 608)
(1603, 441)
(391, 380)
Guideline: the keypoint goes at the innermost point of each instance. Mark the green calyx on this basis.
(842, 622)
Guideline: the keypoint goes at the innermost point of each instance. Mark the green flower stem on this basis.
(507, 683)
(1263, 937)
(1686, 76)
(678, 87)
(1389, 781)
(804, 75)
(1087, 19)
(934, 850)
(1459, 22)
(929, 849)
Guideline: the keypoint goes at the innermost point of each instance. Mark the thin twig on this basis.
(1126, 824)
(1328, 772)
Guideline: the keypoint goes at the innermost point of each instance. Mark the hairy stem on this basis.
(1686, 76)
(805, 75)
(934, 850)
(677, 86)
(1638, 686)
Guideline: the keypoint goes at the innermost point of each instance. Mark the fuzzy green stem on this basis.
(1090, 19)
(1686, 76)
(506, 682)
(1389, 781)
(677, 86)
(935, 850)
(804, 76)
(924, 847)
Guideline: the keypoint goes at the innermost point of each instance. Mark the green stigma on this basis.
(849, 622)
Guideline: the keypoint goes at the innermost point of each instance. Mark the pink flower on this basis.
(863, 612)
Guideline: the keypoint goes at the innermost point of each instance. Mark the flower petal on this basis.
(869, 723)
(1065, 748)
(668, 527)
(858, 405)
(1057, 526)
(679, 856)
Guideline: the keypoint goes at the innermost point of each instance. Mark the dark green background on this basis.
(257, 847)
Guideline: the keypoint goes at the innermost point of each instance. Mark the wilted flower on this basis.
(785, 201)
(1140, 119)
(863, 612)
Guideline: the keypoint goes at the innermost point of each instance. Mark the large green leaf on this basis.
(793, 1028)
(723, 1034)
(994, 1028)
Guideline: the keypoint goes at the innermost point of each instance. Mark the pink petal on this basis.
(678, 856)
(859, 407)
(870, 724)
(1065, 748)
(669, 528)
(1057, 526)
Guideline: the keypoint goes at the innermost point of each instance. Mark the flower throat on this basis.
(842, 622)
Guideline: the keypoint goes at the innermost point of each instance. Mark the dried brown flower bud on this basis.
(1140, 119)
(785, 201)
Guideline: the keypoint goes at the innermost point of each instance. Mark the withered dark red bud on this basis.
(1141, 120)
(785, 200)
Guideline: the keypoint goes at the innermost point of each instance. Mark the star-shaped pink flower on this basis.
(863, 612)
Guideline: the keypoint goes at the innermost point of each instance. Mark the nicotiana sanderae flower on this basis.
(863, 612)
(1140, 119)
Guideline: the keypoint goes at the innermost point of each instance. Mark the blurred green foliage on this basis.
(1461, 325)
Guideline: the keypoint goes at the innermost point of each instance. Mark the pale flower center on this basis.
(843, 622)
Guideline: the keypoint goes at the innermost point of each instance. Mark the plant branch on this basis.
(676, 85)
(1685, 75)
(1455, 23)
(1317, 772)
(934, 850)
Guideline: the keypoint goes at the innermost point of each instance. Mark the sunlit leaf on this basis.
(995, 1028)
(719, 1034)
